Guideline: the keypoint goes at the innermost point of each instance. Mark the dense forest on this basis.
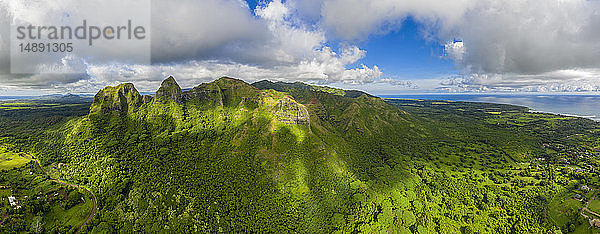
(229, 156)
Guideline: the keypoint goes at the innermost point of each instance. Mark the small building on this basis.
(577, 197)
(595, 223)
(584, 188)
(12, 200)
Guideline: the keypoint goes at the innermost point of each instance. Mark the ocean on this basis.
(586, 106)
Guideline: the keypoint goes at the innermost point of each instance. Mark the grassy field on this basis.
(45, 106)
(585, 228)
(32, 105)
(562, 207)
(40, 188)
(595, 205)
(13, 164)
(73, 217)
(10, 160)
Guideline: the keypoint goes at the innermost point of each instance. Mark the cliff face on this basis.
(169, 90)
(291, 112)
(236, 92)
(204, 92)
(224, 93)
(147, 98)
(119, 100)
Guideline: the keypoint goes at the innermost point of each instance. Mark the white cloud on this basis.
(196, 42)
(513, 45)
(530, 37)
(275, 11)
(455, 50)
(357, 19)
(208, 29)
(570, 80)
(326, 68)
(513, 36)
(516, 41)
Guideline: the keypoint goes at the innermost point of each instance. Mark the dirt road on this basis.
(585, 208)
(95, 203)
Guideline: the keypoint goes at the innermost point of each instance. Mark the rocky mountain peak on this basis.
(118, 100)
(169, 90)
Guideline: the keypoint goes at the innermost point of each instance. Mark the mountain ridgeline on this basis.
(228, 156)
(124, 99)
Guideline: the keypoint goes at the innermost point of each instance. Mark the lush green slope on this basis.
(233, 157)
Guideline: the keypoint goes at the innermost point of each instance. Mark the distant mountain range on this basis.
(52, 97)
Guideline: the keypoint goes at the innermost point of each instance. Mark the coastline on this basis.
(580, 106)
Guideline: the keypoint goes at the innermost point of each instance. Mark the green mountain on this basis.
(228, 156)
(169, 90)
(119, 100)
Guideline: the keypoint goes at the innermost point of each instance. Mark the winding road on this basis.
(95, 203)
(585, 208)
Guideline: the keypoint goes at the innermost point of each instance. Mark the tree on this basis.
(37, 226)
(73, 199)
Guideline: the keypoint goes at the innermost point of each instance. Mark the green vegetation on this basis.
(10, 159)
(228, 156)
(52, 103)
(595, 205)
(41, 205)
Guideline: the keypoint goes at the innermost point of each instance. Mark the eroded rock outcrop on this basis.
(119, 100)
(291, 112)
(147, 98)
(169, 90)
(204, 92)
(224, 92)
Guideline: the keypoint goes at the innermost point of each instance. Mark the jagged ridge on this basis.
(117, 100)
(169, 90)
(224, 92)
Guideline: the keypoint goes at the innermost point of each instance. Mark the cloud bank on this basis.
(513, 45)
(203, 40)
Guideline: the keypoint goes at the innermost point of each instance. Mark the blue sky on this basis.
(404, 54)
(401, 53)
